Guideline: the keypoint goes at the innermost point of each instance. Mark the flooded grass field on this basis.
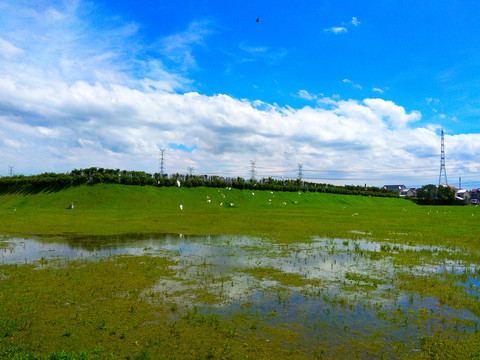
(207, 297)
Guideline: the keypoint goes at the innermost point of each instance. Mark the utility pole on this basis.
(442, 178)
(253, 165)
(162, 169)
(10, 170)
(190, 170)
(300, 173)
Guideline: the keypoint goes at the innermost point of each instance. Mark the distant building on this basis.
(397, 188)
(451, 187)
(475, 194)
(412, 192)
(463, 195)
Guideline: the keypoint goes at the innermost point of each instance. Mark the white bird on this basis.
(231, 204)
(355, 214)
(178, 183)
(253, 194)
(221, 204)
(208, 201)
(181, 207)
(284, 203)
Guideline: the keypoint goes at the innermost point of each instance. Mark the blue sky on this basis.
(356, 91)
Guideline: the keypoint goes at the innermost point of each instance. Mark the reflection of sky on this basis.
(325, 259)
(20, 251)
(214, 264)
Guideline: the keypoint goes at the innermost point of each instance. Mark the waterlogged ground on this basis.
(322, 298)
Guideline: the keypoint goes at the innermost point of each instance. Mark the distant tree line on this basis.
(95, 175)
(436, 195)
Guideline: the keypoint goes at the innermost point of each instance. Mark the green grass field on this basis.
(109, 309)
(116, 209)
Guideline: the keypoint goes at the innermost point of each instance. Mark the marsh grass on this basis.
(96, 309)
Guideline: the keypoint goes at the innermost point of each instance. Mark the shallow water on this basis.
(322, 288)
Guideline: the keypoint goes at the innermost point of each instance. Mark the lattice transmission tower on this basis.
(253, 172)
(162, 169)
(300, 172)
(442, 178)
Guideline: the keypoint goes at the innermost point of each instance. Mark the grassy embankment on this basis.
(117, 209)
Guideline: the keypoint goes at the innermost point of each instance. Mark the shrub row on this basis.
(140, 178)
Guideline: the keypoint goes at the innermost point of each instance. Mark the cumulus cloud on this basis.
(116, 126)
(393, 114)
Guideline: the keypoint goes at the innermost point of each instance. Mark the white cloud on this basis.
(432, 101)
(344, 28)
(180, 47)
(9, 51)
(380, 91)
(117, 126)
(393, 114)
(256, 52)
(304, 94)
(337, 29)
(354, 85)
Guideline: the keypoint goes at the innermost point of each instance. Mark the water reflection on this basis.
(335, 284)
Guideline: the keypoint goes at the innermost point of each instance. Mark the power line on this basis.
(11, 169)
